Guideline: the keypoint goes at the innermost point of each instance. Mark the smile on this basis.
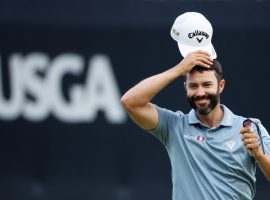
(202, 101)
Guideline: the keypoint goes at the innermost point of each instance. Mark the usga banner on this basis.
(36, 81)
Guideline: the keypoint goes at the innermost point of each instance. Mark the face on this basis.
(203, 91)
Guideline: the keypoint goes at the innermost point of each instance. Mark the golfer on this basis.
(213, 156)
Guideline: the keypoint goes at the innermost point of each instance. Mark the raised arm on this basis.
(136, 100)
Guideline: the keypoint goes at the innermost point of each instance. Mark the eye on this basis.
(192, 86)
(207, 85)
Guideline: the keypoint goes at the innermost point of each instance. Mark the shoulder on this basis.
(241, 120)
(231, 119)
(169, 113)
(169, 118)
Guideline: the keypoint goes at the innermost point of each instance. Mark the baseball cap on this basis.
(192, 31)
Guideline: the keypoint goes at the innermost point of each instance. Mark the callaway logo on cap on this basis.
(192, 31)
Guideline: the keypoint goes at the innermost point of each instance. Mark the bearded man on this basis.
(213, 156)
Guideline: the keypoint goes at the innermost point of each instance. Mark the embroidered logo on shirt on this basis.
(230, 144)
(193, 137)
(190, 137)
(200, 138)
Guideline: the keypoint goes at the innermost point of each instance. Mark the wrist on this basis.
(257, 153)
(180, 69)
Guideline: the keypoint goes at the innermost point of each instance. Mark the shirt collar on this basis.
(227, 120)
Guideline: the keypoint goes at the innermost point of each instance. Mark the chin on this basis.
(204, 111)
(203, 106)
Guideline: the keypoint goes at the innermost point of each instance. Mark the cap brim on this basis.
(184, 50)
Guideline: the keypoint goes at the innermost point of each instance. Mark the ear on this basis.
(185, 85)
(221, 86)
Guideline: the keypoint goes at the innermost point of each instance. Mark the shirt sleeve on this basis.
(167, 120)
(265, 139)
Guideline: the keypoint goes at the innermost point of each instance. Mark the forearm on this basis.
(144, 91)
(264, 163)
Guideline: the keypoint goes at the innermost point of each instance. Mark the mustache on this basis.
(201, 97)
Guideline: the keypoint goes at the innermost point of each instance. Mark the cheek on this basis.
(190, 94)
(212, 90)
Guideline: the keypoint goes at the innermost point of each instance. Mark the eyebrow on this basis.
(206, 82)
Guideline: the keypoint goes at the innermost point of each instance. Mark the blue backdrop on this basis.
(64, 66)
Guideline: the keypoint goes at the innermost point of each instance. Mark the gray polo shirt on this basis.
(208, 163)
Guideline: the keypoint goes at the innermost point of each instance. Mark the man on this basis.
(212, 156)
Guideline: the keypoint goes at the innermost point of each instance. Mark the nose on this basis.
(200, 92)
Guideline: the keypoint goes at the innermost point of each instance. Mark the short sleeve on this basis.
(167, 120)
(265, 139)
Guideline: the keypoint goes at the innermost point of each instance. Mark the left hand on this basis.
(250, 140)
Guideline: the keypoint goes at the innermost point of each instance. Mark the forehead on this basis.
(204, 76)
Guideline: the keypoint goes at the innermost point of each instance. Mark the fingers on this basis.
(197, 58)
(253, 145)
(200, 58)
(249, 139)
(246, 130)
(203, 60)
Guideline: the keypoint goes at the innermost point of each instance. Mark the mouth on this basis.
(203, 105)
(202, 102)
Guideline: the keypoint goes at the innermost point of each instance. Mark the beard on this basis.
(205, 110)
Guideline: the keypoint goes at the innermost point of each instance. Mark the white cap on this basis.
(192, 31)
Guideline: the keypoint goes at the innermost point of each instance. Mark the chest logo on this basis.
(200, 138)
(195, 138)
(230, 144)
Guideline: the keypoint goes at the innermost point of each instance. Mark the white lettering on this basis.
(61, 108)
(37, 89)
(10, 109)
(36, 86)
(103, 93)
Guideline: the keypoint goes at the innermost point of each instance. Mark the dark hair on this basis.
(216, 67)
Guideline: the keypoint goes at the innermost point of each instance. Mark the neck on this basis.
(213, 118)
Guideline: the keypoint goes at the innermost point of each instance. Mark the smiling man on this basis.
(212, 155)
(203, 88)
